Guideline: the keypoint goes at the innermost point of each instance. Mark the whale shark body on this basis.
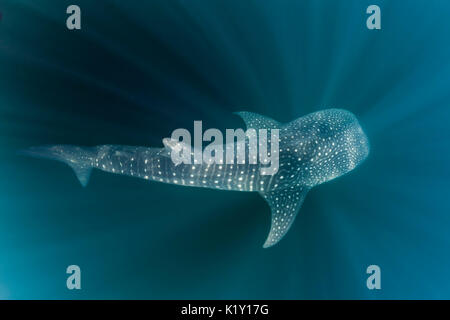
(313, 149)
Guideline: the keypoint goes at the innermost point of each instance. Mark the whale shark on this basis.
(313, 149)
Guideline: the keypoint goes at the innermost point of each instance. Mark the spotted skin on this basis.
(313, 149)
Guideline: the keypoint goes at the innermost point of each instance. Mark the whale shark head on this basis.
(313, 149)
(331, 143)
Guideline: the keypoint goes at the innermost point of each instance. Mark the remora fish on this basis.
(313, 149)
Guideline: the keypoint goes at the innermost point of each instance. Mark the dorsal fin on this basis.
(170, 144)
(257, 121)
(177, 146)
(284, 205)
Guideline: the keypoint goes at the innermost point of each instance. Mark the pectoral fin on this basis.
(284, 205)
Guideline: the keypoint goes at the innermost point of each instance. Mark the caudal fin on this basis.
(78, 158)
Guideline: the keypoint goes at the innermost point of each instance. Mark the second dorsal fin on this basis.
(170, 144)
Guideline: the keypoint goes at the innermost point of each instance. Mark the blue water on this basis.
(137, 70)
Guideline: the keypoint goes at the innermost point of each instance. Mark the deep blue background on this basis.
(140, 69)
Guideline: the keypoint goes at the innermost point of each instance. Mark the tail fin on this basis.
(80, 159)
